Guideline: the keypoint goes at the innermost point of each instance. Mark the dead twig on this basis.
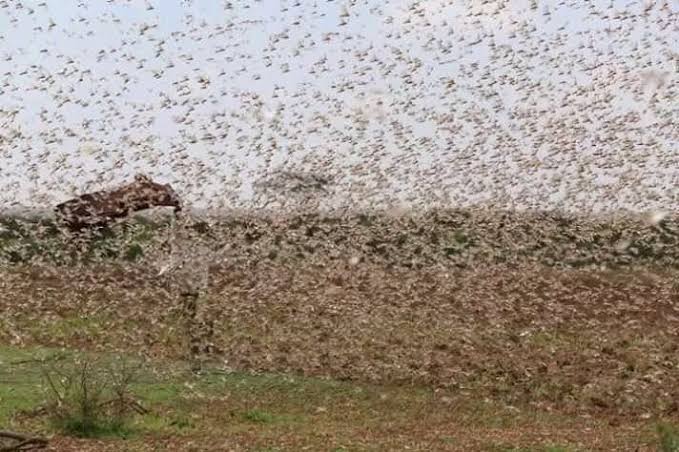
(53, 358)
(130, 403)
(23, 442)
(35, 412)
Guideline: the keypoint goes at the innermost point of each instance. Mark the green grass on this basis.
(281, 412)
(16, 397)
(68, 327)
(546, 448)
(173, 393)
(259, 416)
(20, 381)
(668, 437)
(82, 428)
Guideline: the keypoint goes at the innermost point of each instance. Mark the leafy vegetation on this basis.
(458, 238)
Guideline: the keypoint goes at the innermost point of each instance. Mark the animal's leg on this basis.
(207, 335)
(71, 245)
(190, 308)
(81, 246)
(208, 329)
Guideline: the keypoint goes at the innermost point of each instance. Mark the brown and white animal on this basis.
(98, 209)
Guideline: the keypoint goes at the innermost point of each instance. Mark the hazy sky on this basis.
(517, 103)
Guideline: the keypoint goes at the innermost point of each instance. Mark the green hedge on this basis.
(449, 237)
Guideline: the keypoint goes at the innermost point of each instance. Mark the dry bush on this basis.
(90, 397)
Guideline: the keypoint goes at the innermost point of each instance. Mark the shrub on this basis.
(134, 252)
(90, 398)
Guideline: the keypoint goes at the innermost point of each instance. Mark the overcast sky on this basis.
(515, 103)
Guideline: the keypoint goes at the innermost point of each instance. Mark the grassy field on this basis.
(243, 411)
(398, 344)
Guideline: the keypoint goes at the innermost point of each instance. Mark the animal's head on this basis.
(155, 194)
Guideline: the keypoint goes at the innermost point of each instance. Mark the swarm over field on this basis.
(472, 301)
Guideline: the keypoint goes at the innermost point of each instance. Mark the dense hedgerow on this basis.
(450, 237)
